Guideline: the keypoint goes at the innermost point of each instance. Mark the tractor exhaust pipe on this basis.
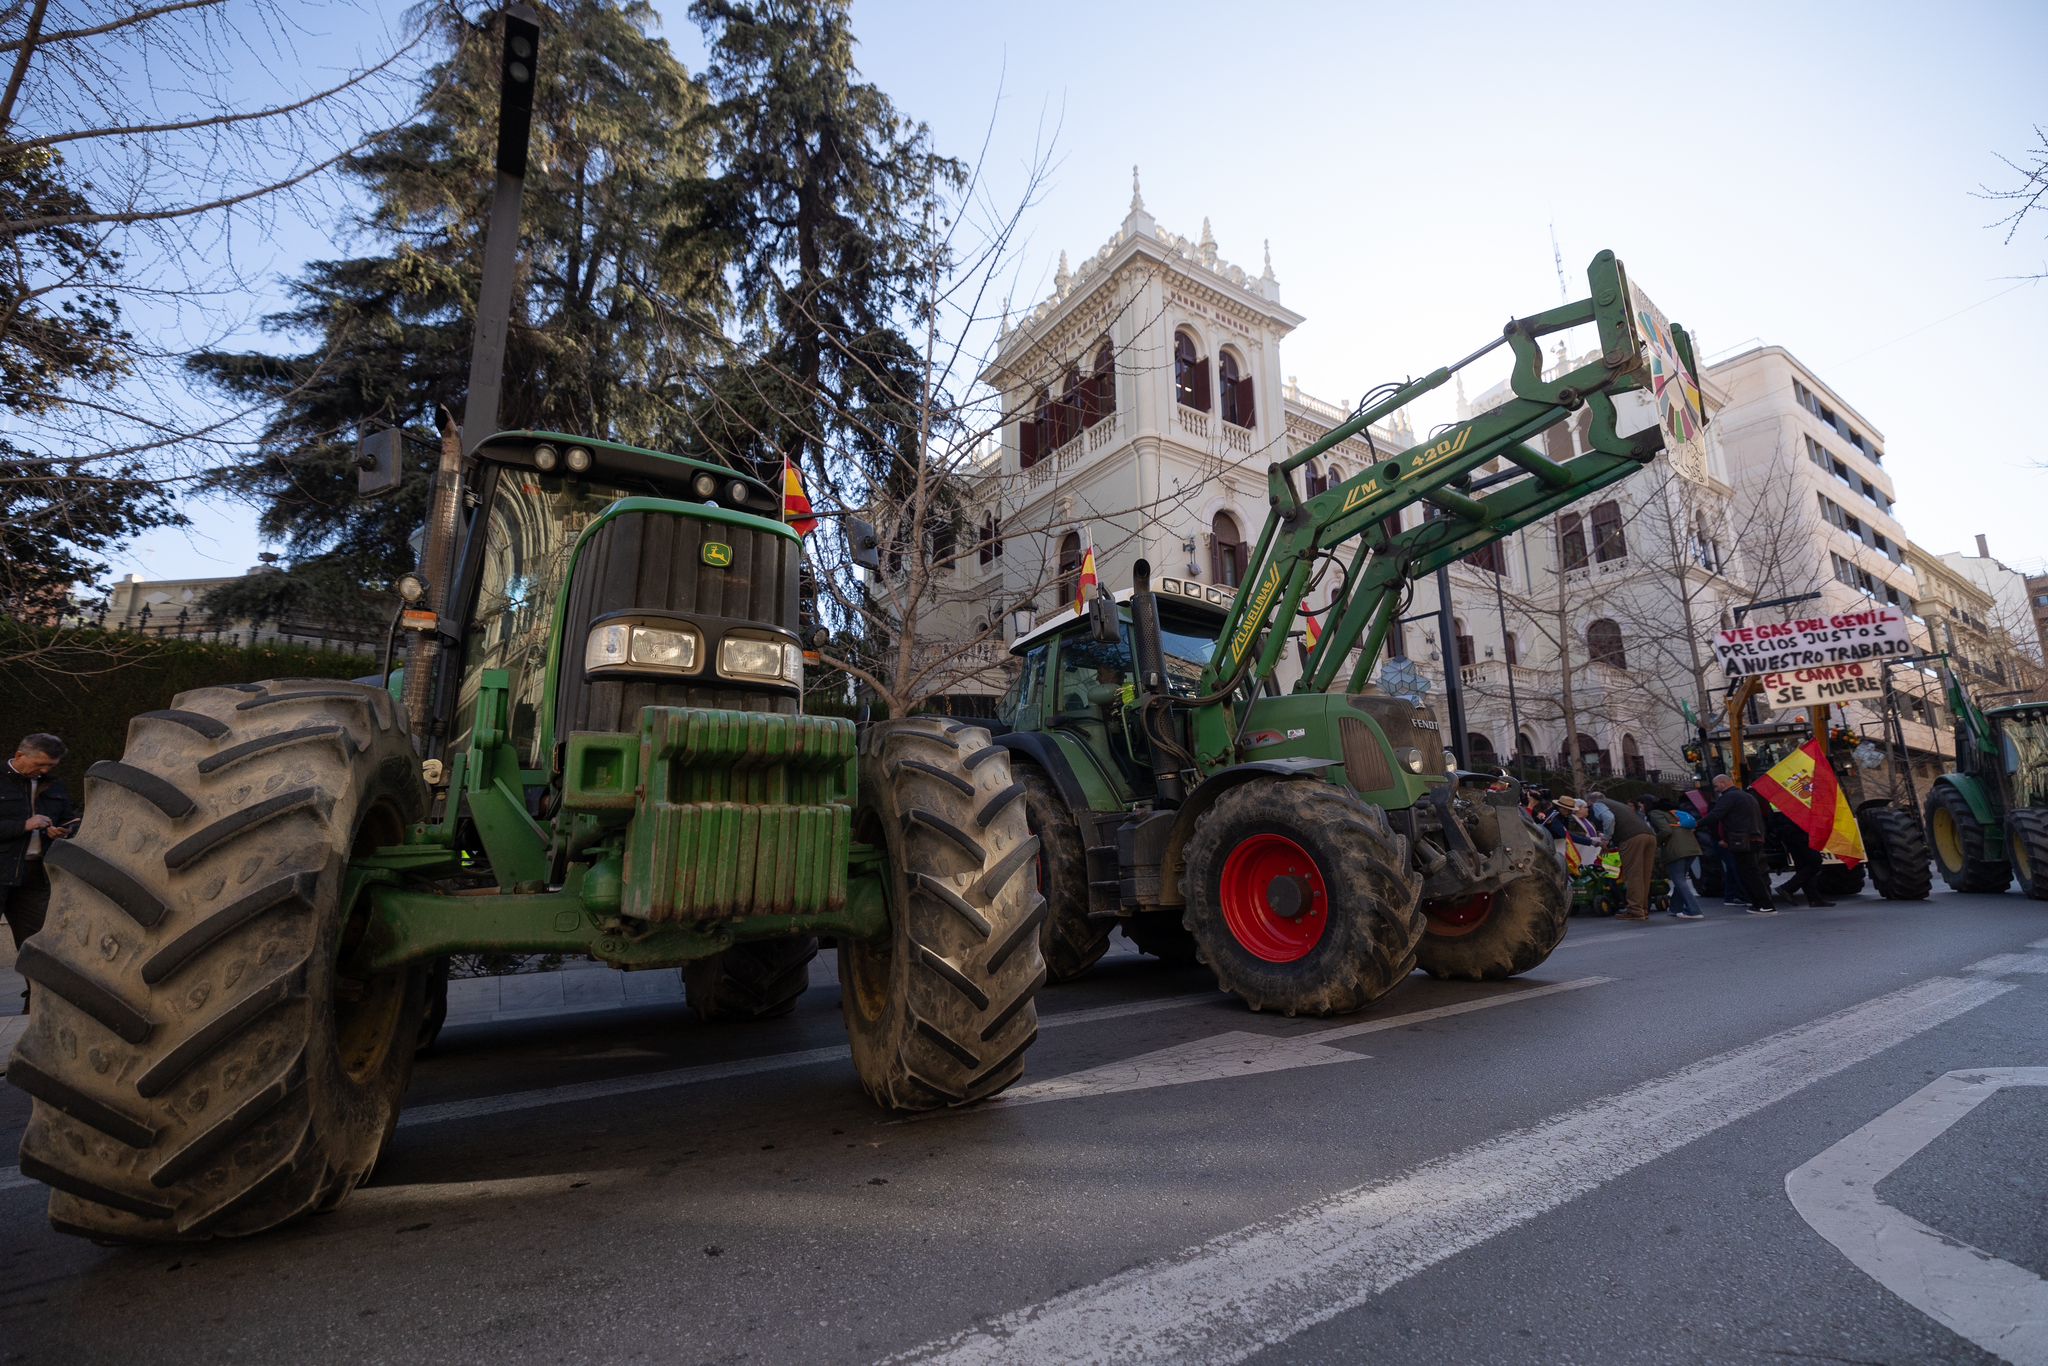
(1149, 654)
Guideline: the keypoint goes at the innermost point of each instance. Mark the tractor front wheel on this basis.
(1958, 841)
(202, 1062)
(1072, 943)
(940, 1009)
(1497, 934)
(1300, 898)
(761, 979)
(1896, 847)
(2027, 842)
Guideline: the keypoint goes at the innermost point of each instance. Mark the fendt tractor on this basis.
(1988, 820)
(610, 759)
(1310, 847)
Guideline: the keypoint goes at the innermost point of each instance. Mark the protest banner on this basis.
(1823, 686)
(1866, 637)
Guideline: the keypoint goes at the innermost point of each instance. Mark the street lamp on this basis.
(1023, 617)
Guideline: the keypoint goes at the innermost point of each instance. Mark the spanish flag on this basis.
(796, 504)
(1803, 786)
(1311, 631)
(1086, 582)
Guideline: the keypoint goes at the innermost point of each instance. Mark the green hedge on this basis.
(85, 685)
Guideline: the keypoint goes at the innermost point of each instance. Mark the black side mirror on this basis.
(865, 546)
(1103, 621)
(380, 462)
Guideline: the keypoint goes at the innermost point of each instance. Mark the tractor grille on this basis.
(654, 562)
(1365, 758)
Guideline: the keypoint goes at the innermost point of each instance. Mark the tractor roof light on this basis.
(545, 458)
(704, 486)
(578, 459)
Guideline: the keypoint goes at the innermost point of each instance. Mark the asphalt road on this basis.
(1820, 1136)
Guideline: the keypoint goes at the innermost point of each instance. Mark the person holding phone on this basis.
(35, 811)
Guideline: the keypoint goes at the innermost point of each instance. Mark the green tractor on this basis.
(607, 755)
(1309, 846)
(1988, 820)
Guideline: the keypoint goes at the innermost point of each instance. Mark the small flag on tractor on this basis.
(1310, 630)
(796, 504)
(1085, 584)
(1803, 786)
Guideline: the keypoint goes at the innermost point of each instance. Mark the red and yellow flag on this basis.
(796, 504)
(1311, 630)
(1086, 583)
(1803, 786)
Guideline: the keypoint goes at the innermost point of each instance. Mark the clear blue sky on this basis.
(1799, 174)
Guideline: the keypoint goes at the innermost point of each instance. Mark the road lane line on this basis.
(2000, 964)
(1239, 1294)
(2001, 1307)
(1239, 1053)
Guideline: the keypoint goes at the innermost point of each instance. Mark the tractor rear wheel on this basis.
(760, 979)
(2027, 842)
(1896, 847)
(940, 1009)
(1300, 898)
(1957, 838)
(1497, 934)
(1072, 943)
(1161, 934)
(200, 1064)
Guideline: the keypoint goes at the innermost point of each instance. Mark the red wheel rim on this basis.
(1454, 919)
(1274, 898)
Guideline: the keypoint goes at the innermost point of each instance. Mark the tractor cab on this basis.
(2022, 734)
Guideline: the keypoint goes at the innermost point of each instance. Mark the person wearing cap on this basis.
(35, 810)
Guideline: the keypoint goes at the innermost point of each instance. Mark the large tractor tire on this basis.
(761, 979)
(1895, 846)
(200, 1065)
(1300, 898)
(940, 1010)
(2027, 842)
(1958, 840)
(1498, 934)
(1161, 934)
(1071, 942)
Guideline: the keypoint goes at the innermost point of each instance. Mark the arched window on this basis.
(1594, 756)
(1235, 388)
(1312, 483)
(1571, 541)
(1066, 417)
(1069, 580)
(1603, 644)
(1190, 373)
(1585, 425)
(1511, 648)
(1632, 765)
(1557, 442)
(1481, 750)
(1610, 540)
(1467, 654)
(1525, 747)
(991, 547)
(1226, 551)
(1031, 430)
(1101, 398)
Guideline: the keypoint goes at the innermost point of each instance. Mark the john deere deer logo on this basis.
(717, 554)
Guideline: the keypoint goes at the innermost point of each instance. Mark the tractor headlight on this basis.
(761, 661)
(704, 486)
(627, 646)
(544, 458)
(736, 493)
(578, 459)
(1411, 759)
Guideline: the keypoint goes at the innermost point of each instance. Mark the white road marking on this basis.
(1999, 964)
(1241, 1053)
(2001, 1307)
(1234, 1296)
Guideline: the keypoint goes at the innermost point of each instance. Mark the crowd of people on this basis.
(1720, 820)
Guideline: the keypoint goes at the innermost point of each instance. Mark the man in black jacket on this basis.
(34, 810)
(1736, 819)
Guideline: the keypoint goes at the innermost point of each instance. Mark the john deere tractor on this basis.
(603, 752)
(1988, 820)
(1309, 846)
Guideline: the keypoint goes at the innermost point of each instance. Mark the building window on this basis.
(1235, 389)
(1610, 540)
(1226, 551)
(1101, 399)
(1468, 655)
(1585, 426)
(1070, 566)
(1488, 557)
(942, 541)
(1311, 482)
(1031, 430)
(991, 546)
(1513, 652)
(1066, 414)
(1481, 747)
(1557, 442)
(1571, 541)
(1603, 644)
(1632, 765)
(1190, 373)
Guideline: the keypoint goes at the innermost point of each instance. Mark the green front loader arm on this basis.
(1466, 515)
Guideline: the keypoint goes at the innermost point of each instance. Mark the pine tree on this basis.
(619, 292)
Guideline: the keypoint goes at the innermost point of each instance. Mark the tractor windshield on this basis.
(2024, 738)
(529, 527)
